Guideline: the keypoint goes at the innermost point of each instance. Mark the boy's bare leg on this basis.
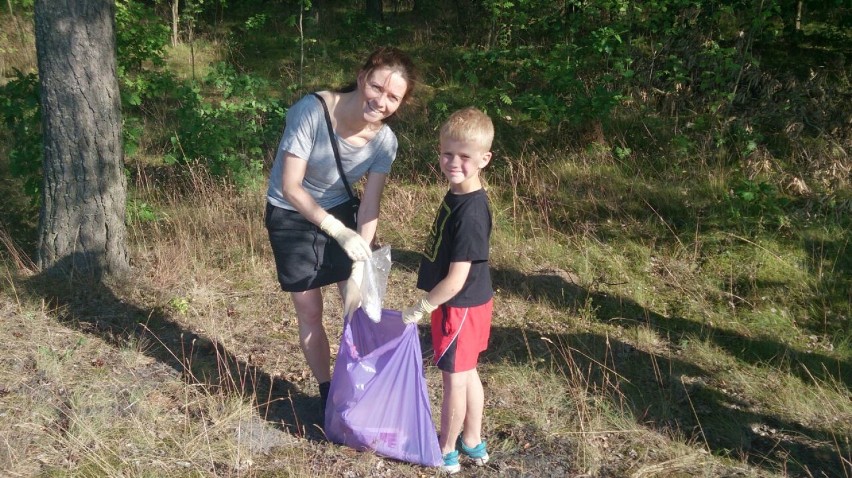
(312, 337)
(472, 434)
(453, 408)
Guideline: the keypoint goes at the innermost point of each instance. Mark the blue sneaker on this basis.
(451, 462)
(478, 454)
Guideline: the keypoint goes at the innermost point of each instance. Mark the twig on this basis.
(695, 414)
(608, 369)
(780, 259)
(664, 222)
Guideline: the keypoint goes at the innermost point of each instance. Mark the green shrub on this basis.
(21, 112)
(230, 135)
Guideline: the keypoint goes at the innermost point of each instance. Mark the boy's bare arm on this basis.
(450, 285)
(441, 293)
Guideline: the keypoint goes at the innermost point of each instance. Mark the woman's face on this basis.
(383, 90)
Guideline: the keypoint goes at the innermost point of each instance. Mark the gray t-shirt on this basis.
(306, 136)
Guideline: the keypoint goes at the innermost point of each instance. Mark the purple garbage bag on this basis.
(378, 398)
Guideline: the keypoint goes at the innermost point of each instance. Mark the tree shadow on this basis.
(831, 263)
(668, 392)
(674, 397)
(560, 293)
(410, 260)
(91, 307)
(621, 205)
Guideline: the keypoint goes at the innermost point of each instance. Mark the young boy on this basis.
(454, 273)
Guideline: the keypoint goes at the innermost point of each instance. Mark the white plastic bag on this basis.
(375, 282)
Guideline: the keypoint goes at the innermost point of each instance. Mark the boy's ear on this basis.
(486, 158)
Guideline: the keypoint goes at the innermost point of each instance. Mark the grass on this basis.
(589, 369)
(651, 321)
(18, 50)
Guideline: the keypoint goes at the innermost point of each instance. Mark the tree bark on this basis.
(799, 15)
(175, 23)
(375, 10)
(81, 225)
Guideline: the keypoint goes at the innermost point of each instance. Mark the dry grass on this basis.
(608, 357)
(167, 376)
(17, 47)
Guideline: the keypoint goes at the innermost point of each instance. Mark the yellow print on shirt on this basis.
(436, 233)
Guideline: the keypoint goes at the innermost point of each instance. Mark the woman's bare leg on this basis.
(312, 336)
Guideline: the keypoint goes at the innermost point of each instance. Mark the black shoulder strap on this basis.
(333, 139)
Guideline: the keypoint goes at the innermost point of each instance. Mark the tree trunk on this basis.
(375, 10)
(81, 226)
(316, 6)
(175, 23)
(799, 15)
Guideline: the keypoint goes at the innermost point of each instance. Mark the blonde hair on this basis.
(469, 124)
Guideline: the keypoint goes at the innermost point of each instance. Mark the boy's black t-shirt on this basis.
(460, 233)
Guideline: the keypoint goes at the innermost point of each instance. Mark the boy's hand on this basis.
(413, 314)
(355, 246)
(352, 289)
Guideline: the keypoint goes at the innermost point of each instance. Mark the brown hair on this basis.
(396, 60)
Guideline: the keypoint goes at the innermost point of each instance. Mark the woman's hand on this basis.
(355, 246)
(352, 289)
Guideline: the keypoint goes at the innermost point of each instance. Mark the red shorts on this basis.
(459, 334)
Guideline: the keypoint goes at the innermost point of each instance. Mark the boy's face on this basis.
(461, 162)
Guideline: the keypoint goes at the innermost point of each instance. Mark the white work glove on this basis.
(352, 289)
(355, 246)
(413, 314)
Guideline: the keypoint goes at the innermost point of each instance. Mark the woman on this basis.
(314, 236)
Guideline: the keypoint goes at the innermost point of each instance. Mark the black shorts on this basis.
(306, 257)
